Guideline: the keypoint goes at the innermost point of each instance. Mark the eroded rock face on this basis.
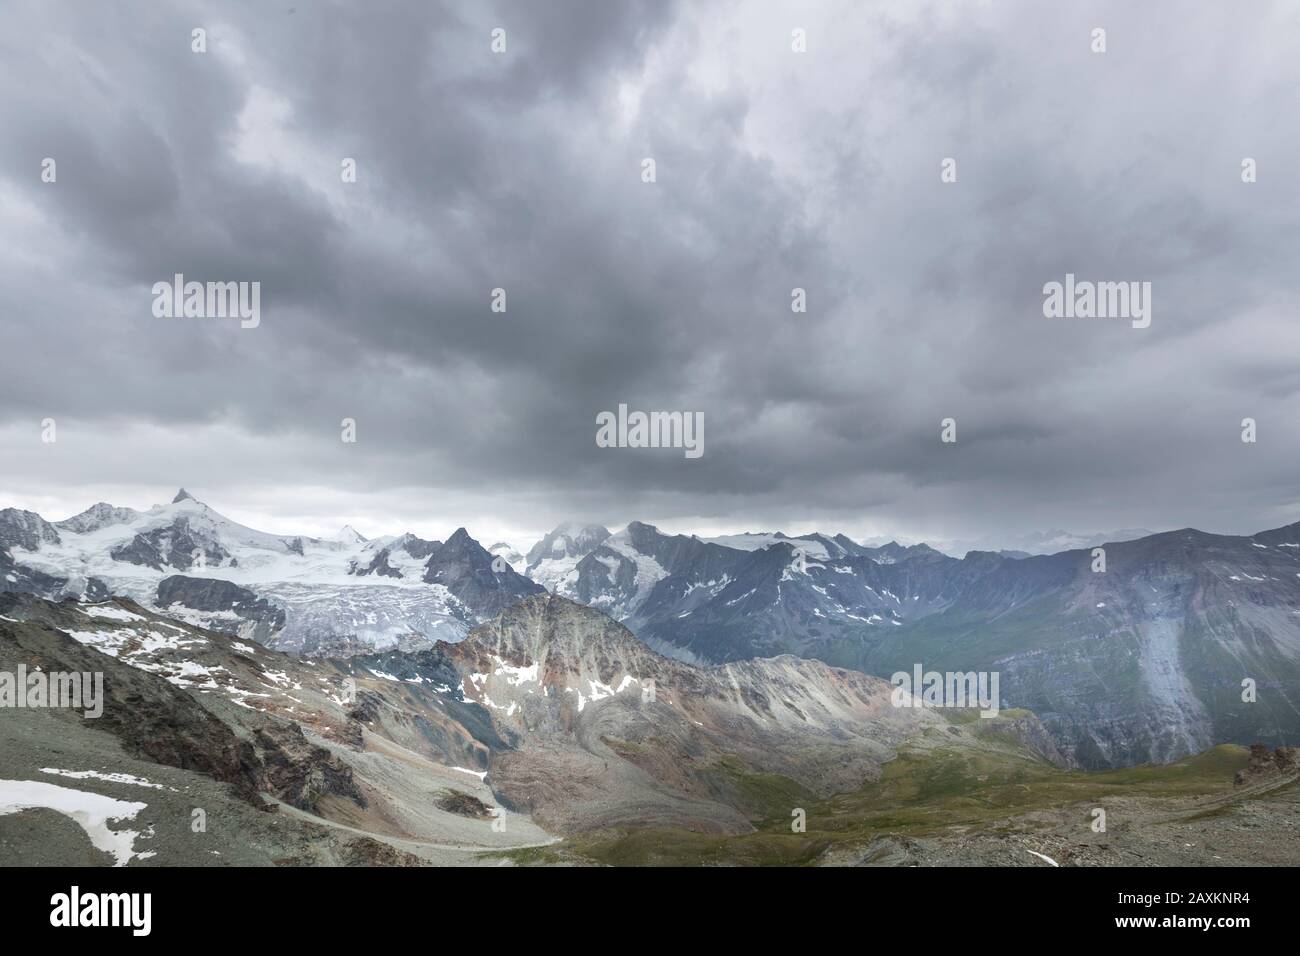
(453, 801)
(224, 606)
(1267, 765)
(139, 550)
(296, 771)
(25, 529)
(177, 545)
(152, 675)
(16, 578)
(365, 851)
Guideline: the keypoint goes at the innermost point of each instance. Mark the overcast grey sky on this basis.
(775, 170)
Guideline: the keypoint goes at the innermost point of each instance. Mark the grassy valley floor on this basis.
(996, 805)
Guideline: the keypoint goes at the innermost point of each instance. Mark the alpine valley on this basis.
(640, 697)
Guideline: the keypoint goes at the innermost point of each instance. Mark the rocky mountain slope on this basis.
(1142, 661)
(194, 719)
(551, 713)
(597, 729)
(549, 734)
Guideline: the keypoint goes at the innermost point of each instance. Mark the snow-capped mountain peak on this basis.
(510, 555)
(349, 535)
(97, 516)
(553, 559)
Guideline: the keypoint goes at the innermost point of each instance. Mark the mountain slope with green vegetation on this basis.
(942, 805)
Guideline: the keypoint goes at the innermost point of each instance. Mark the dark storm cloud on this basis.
(775, 170)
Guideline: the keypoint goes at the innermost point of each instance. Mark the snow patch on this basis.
(106, 777)
(91, 811)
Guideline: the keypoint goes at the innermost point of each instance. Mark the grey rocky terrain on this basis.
(550, 734)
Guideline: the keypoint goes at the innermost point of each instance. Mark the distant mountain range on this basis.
(339, 595)
(1144, 661)
(1036, 542)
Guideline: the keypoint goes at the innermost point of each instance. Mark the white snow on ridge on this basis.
(411, 568)
(713, 586)
(106, 777)
(110, 611)
(259, 560)
(751, 541)
(649, 572)
(601, 691)
(189, 674)
(111, 642)
(349, 535)
(553, 573)
(516, 675)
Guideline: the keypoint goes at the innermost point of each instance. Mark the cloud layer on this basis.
(775, 170)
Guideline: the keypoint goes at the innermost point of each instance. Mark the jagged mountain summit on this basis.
(510, 555)
(550, 561)
(348, 535)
